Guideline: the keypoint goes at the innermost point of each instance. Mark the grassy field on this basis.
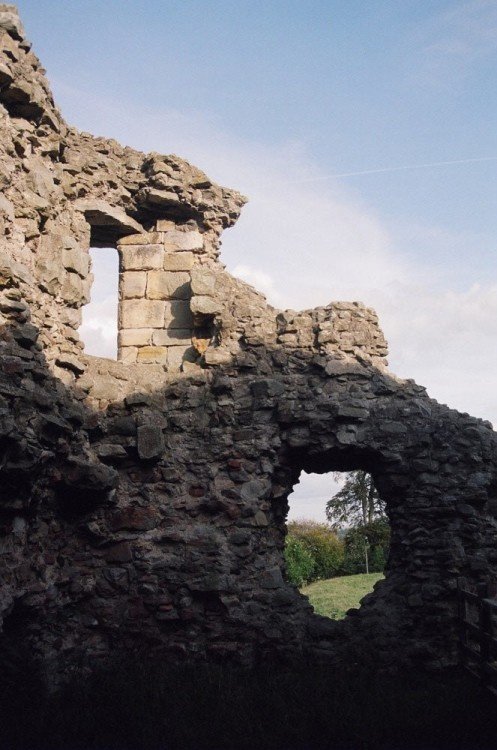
(332, 598)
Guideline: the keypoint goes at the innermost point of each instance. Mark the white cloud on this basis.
(309, 498)
(444, 339)
(98, 330)
(315, 245)
(263, 282)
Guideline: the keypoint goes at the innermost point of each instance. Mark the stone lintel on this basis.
(148, 238)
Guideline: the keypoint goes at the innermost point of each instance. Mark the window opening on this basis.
(98, 329)
(338, 540)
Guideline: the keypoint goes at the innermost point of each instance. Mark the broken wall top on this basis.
(64, 191)
(144, 186)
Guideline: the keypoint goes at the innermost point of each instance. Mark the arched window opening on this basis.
(98, 329)
(338, 540)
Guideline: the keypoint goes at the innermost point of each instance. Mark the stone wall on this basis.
(143, 501)
(155, 320)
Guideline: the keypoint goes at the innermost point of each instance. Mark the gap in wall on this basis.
(98, 329)
(336, 566)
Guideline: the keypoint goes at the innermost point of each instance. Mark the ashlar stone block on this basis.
(142, 313)
(175, 240)
(127, 354)
(172, 337)
(215, 356)
(152, 354)
(168, 285)
(133, 284)
(179, 354)
(152, 238)
(178, 314)
(141, 257)
(180, 261)
(203, 281)
(135, 337)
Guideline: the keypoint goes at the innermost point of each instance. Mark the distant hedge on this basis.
(313, 551)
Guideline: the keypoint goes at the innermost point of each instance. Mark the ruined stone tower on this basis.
(143, 502)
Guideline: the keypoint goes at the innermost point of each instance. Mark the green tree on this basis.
(356, 503)
(367, 547)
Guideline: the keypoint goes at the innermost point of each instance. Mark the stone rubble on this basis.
(143, 501)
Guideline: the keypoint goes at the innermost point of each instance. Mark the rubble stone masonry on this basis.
(143, 501)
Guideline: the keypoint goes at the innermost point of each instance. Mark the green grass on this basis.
(333, 597)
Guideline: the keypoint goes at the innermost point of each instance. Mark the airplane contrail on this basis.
(399, 169)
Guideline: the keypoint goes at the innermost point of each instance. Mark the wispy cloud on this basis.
(453, 41)
(429, 165)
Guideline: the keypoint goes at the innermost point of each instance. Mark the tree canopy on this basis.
(356, 503)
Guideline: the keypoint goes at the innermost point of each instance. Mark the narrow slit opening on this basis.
(99, 326)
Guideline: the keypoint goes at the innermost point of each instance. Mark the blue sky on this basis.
(275, 98)
(358, 85)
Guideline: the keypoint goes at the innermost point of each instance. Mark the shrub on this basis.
(300, 563)
(354, 559)
(322, 544)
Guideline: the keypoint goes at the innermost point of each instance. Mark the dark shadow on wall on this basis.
(158, 525)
